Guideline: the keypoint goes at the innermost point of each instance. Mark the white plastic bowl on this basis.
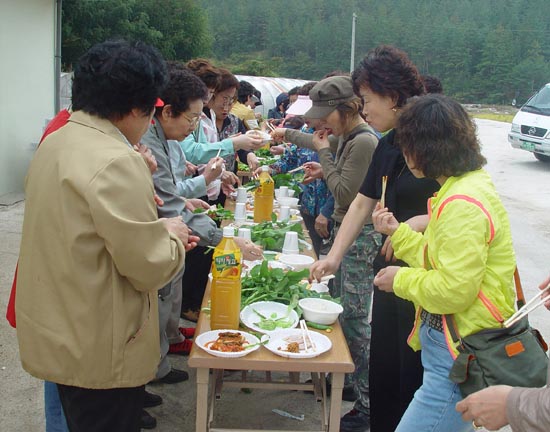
(297, 261)
(320, 311)
(288, 201)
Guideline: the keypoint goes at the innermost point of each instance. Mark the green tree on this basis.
(176, 27)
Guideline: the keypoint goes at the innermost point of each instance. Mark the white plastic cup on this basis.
(283, 192)
(240, 212)
(277, 193)
(245, 233)
(284, 213)
(291, 193)
(241, 195)
(290, 246)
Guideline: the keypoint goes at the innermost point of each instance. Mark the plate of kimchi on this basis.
(227, 343)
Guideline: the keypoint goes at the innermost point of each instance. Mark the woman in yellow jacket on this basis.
(464, 262)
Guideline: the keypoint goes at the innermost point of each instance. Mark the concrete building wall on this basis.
(27, 36)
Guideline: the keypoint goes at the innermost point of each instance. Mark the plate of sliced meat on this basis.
(227, 343)
(293, 343)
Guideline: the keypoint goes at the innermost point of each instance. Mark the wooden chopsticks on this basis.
(529, 307)
(384, 185)
(306, 336)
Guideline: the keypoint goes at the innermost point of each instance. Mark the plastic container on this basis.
(225, 297)
(263, 197)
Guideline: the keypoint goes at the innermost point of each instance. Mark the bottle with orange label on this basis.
(263, 197)
(225, 296)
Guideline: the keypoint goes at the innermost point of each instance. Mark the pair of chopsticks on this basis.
(300, 168)
(213, 167)
(384, 185)
(529, 307)
(306, 336)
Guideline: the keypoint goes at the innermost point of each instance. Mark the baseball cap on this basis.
(327, 94)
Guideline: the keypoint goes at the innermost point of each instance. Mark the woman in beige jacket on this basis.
(93, 251)
(524, 409)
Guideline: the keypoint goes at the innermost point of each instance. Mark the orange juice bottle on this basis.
(263, 197)
(225, 297)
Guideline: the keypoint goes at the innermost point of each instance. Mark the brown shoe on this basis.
(190, 315)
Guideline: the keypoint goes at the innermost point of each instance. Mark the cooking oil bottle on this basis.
(263, 197)
(225, 296)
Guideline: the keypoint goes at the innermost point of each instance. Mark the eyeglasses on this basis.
(228, 100)
(194, 121)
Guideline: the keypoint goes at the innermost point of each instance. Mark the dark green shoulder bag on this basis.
(514, 356)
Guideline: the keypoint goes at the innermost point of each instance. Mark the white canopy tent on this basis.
(270, 88)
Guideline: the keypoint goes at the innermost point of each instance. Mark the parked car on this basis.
(531, 125)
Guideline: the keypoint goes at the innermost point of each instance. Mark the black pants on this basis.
(195, 277)
(89, 410)
(316, 239)
(395, 370)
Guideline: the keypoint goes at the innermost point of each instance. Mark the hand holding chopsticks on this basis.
(529, 307)
(213, 167)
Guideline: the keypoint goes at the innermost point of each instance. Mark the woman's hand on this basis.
(147, 156)
(250, 251)
(194, 203)
(321, 226)
(320, 140)
(384, 278)
(190, 169)
(277, 150)
(252, 161)
(313, 171)
(246, 142)
(542, 286)
(324, 267)
(229, 178)
(387, 250)
(384, 221)
(486, 407)
(213, 169)
(177, 227)
(278, 135)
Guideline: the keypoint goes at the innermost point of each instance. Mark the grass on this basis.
(496, 117)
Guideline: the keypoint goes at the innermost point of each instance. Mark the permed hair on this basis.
(227, 81)
(116, 76)
(388, 71)
(183, 88)
(439, 137)
(206, 71)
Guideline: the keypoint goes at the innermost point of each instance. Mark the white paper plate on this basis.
(266, 308)
(206, 338)
(277, 343)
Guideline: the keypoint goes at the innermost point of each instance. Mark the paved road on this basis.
(522, 181)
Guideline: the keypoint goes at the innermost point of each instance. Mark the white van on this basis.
(531, 126)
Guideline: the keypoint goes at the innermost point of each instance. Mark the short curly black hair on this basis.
(116, 76)
(183, 88)
(388, 71)
(432, 84)
(439, 137)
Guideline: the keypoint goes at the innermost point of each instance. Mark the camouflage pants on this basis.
(353, 284)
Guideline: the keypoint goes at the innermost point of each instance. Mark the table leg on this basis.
(203, 375)
(335, 402)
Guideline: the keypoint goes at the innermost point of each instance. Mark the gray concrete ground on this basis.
(524, 185)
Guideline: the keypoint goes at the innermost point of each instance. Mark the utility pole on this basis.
(352, 61)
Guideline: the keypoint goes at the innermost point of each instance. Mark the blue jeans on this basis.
(433, 406)
(55, 419)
